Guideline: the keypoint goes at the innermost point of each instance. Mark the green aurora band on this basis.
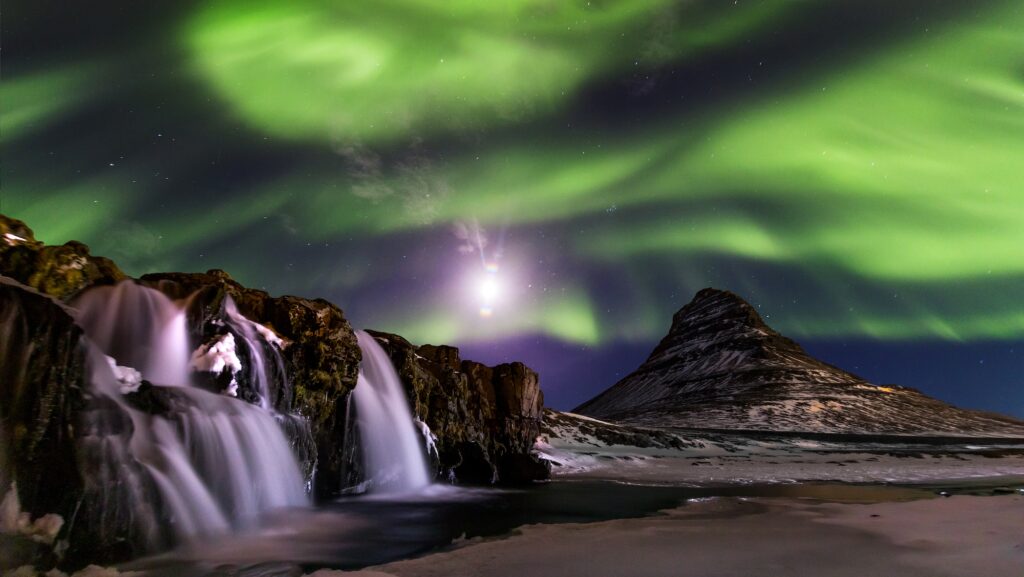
(895, 172)
(382, 71)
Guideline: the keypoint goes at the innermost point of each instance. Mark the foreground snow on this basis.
(958, 536)
(581, 447)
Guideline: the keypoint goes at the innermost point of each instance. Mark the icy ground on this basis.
(582, 447)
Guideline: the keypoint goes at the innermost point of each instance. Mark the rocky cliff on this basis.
(486, 419)
(319, 350)
(55, 437)
(721, 367)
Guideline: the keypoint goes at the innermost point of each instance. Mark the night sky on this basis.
(548, 181)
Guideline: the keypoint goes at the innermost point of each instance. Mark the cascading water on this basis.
(216, 461)
(254, 335)
(140, 328)
(392, 447)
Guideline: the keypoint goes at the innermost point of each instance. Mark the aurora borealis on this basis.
(854, 169)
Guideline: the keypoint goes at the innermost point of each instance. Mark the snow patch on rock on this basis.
(429, 438)
(129, 378)
(218, 356)
(13, 239)
(269, 335)
(77, 262)
(14, 521)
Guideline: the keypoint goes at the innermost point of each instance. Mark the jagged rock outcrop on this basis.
(60, 271)
(320, 352)
(486, 419)
(722, 367)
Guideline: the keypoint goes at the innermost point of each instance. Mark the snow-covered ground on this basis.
(955, 537)
(582, 447)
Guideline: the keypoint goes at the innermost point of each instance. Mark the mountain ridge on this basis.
(722, 367)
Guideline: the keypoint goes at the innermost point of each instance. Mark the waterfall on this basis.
(392, 447)
(140, 328)
(217, 462)
(254, 336)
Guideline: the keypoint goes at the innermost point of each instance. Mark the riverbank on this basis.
(583, 448)
(964, 536)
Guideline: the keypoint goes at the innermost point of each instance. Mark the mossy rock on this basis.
(59, 271)
(486, 419)
(320, 352)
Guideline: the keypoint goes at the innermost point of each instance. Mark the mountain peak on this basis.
(716, 316)
(708, 293)
(721, 366)
(711, 304)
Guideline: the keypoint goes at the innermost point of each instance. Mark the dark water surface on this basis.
(356, 532)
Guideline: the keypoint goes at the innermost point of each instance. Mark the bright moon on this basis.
(489, 289)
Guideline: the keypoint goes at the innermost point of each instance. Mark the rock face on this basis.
(722, 367)
(55, 444)
(486, 419)
(69, 490)
(320, 353)
(60, 271)
(42, 372)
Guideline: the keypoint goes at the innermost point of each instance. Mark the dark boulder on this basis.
(42, 389)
